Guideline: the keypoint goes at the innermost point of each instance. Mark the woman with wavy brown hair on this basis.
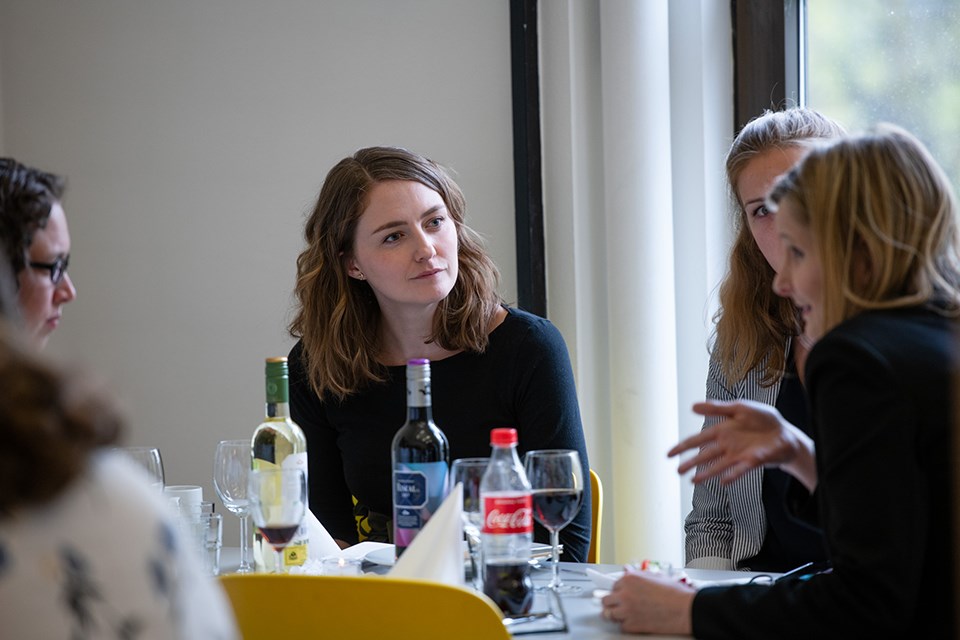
(758, 354)
(390, 273)
(88, 549)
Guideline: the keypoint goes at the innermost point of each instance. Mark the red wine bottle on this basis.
(421, 461)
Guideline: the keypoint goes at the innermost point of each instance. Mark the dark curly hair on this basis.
(26, 196)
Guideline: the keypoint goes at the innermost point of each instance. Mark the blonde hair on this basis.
(338, 318)
(753, 324)
(878, 203)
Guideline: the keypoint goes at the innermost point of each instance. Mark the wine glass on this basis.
(278, 502)
(469, 471)
(231, 472)
(148, 458)
(556, 478)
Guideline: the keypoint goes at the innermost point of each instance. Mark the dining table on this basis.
(579, 613)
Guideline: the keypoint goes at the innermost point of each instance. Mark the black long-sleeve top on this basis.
(880, 391)
(523, 380)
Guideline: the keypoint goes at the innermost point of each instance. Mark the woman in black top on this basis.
(870, 229)
(391, 272)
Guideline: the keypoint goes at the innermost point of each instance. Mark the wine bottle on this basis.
(279, 442)
(421, 461)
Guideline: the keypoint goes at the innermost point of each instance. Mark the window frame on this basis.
(768, 57)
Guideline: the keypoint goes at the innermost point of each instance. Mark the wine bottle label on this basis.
(508, 513)
(294, 555)
(418, 393)
(418, 491)
(296, 461)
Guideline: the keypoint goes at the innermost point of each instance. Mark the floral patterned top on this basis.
(105, 560)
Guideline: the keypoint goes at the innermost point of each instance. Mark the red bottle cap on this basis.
(503, 437)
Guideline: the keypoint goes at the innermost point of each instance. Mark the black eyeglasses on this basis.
(57, 268)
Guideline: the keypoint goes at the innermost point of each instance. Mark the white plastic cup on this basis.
(189, 494)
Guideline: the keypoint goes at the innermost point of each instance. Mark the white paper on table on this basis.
(320, 543)
(436, 554)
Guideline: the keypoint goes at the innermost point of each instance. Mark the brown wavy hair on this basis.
(878, 203)
(338, 318)
(50, 423)
(753, 324)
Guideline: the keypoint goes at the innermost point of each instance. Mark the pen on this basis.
(805, 570)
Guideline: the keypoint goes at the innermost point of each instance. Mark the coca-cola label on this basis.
(508, 514)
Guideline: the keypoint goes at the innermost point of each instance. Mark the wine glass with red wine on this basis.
(556, 479)
(278, 502)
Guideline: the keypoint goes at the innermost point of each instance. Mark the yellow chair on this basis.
(284, 606)
(596, 503)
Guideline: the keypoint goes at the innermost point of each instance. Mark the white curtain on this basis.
(637, 112)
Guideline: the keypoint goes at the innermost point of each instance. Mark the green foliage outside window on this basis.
(894, 61)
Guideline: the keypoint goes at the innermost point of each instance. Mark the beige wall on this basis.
(195, 134)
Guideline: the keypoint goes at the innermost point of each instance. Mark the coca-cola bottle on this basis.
(507, 526)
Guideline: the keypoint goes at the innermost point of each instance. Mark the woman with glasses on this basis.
(33, 232)
(88, 549)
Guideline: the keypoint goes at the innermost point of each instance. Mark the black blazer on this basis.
(880, 387)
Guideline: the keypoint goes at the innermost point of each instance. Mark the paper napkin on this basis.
(321, 543)
(436, 554)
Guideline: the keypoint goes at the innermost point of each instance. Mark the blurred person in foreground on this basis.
(391, 272)
(87, 548)
(870, 231)
(34, 234)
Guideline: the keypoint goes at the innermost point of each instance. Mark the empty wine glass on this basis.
(278, 502)
(148, 458)
(231, 473)
(556, 478)
(469, 471)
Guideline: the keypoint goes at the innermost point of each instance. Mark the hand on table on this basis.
(646, 602)
(751, 435)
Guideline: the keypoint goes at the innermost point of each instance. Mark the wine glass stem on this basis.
(474, 546)
(279, 553)
(555, 544)
(244, 544)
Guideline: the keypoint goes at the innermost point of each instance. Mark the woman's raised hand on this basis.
(749, 435)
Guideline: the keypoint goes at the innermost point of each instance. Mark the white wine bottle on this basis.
(279, 442)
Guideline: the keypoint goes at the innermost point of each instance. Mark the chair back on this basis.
(298, 606)
(596, 503)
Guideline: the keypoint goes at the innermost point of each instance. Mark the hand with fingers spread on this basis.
(645, 602)
(750, 435)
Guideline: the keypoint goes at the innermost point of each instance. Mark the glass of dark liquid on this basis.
(278, 502)
(510, 587)
(556, 478)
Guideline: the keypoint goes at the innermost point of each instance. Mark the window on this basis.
(887, 60)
